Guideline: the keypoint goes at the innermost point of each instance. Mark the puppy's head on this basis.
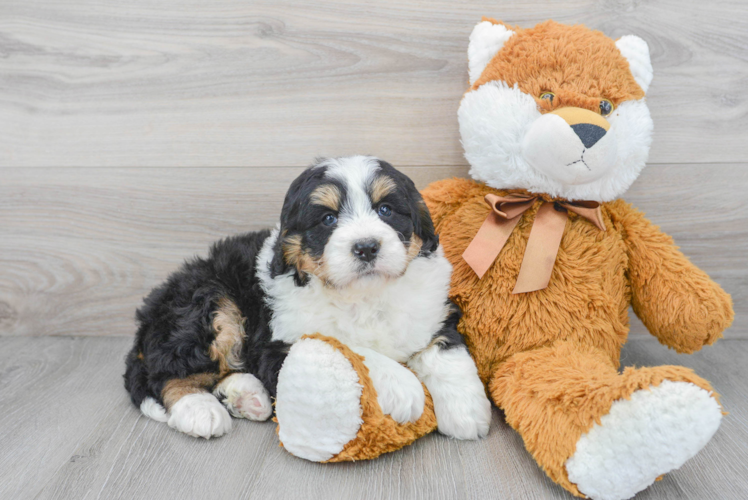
(350, 220)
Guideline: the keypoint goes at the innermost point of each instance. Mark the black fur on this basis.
(448, 337)
(175, 330)
(413, 215)
(300, 218)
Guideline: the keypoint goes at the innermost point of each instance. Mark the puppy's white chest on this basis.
(396, 318)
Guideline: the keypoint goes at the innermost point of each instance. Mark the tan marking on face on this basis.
(326, 195)
(414, 247)
(140, 356)
(381, 187)
(176, 389)
(295, 255)
(292, 249)
(228, 325)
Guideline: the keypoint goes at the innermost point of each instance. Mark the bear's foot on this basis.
(328, 409)
(653, 432)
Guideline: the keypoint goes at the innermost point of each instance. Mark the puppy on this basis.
(355, 257)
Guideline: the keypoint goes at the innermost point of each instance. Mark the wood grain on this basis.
(69, 431)
(267, 83)
(79, 248)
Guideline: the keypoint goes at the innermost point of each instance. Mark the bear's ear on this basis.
(636, 52)
(486, 40)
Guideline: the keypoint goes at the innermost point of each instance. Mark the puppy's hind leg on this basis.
(244, 396)
(192, 409)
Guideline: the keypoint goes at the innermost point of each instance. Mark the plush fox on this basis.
(547, 260)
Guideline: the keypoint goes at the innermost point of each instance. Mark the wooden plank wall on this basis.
(132, 134)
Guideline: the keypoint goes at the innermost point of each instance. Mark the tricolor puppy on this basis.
(355, 257)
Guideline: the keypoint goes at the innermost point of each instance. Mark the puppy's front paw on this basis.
(244, 396)
(460, 403)
(463, 414)
(200, 415)
(399, 392)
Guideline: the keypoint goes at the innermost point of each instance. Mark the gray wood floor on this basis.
(69, 432)
(103, 105)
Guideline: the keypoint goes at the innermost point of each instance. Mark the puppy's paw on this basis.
(399, 392)
(465, 413)
(245, 397)
(200, 415)
(460, 403)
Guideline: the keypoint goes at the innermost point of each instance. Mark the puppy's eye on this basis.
(606, 107)
(329, 220)
(548, 96)
(385, 210)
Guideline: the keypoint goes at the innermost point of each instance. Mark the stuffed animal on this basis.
(547, 259)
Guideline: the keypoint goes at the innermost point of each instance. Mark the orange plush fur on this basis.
(550, 358)
(579, 65)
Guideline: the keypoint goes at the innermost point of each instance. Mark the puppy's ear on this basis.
(423, 226)
(279, 264)
(289, 213)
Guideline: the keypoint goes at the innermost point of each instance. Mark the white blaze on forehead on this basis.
(356, 173)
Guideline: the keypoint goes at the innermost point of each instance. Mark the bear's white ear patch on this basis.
(485, 41)
(636, 52)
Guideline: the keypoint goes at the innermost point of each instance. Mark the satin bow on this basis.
(545, 236)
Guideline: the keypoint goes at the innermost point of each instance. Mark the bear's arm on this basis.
(445, 196)
(677, 301)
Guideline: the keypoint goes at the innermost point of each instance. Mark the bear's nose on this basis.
(588, 133)
(366, 250)
(590, 127)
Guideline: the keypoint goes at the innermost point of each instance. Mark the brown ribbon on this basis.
(545, 236)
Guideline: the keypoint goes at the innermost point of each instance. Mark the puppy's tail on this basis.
(136, 383)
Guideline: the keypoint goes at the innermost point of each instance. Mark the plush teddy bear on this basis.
(547, 259)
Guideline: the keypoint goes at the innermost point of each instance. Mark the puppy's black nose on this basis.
(366, 250)
(588, 133)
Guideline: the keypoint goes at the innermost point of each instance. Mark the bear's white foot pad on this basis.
(200, 415)
(318, 401)
(641, 438)
(244, 396)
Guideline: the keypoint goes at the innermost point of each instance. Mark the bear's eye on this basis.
(606, 107)
(548, 96)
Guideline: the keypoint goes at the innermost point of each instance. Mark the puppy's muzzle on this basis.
(366, 250)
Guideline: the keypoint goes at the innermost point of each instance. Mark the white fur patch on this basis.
(151, 409)
(244, 396)
(494, 124)
(318, 401)
(393, 316)
(200, 415)
(636, 52)
(462, 409)
(552, 147)
(641, 438)
(399, 393)
(486, 40)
